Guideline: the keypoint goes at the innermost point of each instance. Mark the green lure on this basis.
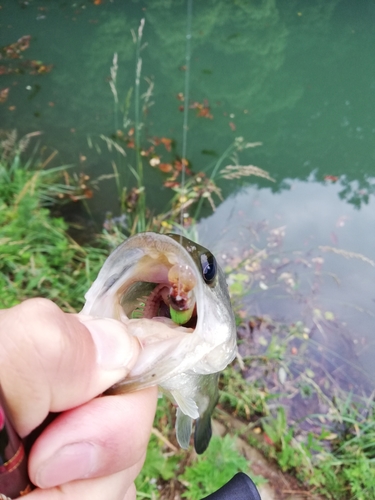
(181, 317)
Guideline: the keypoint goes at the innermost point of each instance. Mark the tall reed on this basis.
(141, 206)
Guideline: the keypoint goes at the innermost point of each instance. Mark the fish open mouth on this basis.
(160, 301)
(172, 297)
(157, 279)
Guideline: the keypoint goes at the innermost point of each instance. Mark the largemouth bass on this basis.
(173, 296)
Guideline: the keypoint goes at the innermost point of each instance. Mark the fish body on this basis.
(172, 296)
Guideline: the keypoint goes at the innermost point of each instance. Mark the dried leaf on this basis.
(329, 316)
(165, 167)
(4, 94)
(167, 143)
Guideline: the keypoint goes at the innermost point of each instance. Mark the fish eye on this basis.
(209, 267)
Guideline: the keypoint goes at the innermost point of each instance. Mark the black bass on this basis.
(172, 296)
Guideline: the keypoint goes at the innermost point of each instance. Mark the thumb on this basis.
(51, 361)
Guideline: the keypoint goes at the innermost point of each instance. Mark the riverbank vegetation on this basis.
(319, 430)
(38, 257)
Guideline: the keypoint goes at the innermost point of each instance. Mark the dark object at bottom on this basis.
(14, 480)
(240, 487)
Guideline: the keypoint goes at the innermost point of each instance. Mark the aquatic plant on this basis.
(38, 257)
(140, 157)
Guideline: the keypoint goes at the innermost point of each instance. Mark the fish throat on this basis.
(169, 293)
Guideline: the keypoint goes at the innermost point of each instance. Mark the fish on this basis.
(172, 295)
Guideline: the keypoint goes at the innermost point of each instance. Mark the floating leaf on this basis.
(309, 373)
(331, 178)
(171, 184)
(165, 167)
(166, 142)
(4, 94)
(317, 313)
(203, 109)
(236, 288)
(329, 316)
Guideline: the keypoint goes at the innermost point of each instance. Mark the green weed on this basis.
(244, 400)
(136, 155)
(158, 467)
(38, 258)
(338, 463)
(290, 453)
(213, 469)
(167, 467)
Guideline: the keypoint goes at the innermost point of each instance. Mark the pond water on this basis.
(297, 76)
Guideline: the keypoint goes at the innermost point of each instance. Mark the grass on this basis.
(344, 469)
(169, 470)
(213, 469)
(331, 454)
(38, 258)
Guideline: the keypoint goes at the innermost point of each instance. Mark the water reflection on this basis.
(315, 268)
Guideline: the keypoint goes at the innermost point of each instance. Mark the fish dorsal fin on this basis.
(184, 425)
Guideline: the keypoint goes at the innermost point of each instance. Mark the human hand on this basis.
(51, 361)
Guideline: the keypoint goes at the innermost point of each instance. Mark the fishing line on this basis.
(185, 120)
(186, 103)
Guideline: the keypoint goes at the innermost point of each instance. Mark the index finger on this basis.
(51, 361)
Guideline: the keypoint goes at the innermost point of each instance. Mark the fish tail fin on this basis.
(203, 432)
(207, 400)
(184, 425)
